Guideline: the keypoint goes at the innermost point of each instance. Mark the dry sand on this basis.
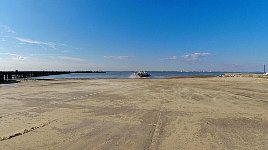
(165, 114)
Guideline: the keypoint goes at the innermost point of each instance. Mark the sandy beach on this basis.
(165, 114)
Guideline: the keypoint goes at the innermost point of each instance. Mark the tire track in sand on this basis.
(10, 136)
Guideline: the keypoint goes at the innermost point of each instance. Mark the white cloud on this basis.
(8, 29)
(195, 56)
(116, 57)
(10, 61)
(30, 41)
(3, 40)
(68, 58)
(13, 56)
(169, 58)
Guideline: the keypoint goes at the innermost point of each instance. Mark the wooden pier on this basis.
(10, 75)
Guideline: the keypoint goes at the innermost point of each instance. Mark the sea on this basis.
(129, 75)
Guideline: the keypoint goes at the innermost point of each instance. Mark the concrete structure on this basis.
(9, 75)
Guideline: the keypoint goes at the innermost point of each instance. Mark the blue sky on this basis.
(217, 35)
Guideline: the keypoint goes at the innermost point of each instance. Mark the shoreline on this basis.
(227, 75)
(254, 75)
(149, 78)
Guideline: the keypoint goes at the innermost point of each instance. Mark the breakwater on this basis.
(9, 75)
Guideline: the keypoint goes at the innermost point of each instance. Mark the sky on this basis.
(175, 35)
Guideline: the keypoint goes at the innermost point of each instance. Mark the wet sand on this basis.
(183, 113)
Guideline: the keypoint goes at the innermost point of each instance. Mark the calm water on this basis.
(129, 74)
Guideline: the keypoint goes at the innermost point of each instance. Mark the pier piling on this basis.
(1, 77)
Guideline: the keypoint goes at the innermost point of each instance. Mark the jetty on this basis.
(10, 75)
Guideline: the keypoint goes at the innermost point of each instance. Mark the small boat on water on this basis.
(142, 74)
